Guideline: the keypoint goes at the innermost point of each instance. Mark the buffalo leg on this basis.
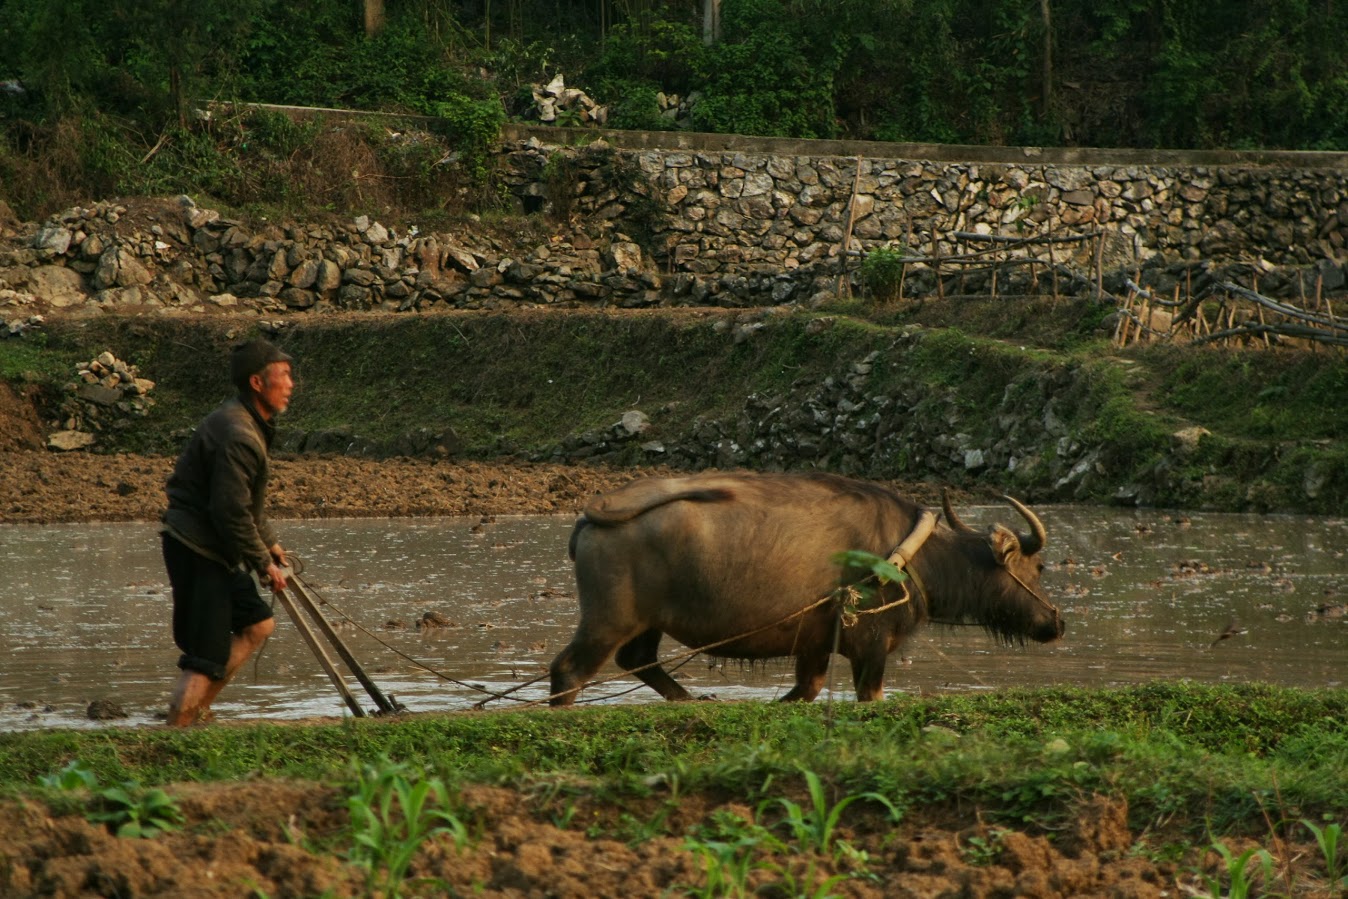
(641, 653)
(810, 673)
(868, 676)
(575, 665)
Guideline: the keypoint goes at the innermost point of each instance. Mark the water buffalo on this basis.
(744, 565)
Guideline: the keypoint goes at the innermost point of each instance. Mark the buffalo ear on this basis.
(1005, 543)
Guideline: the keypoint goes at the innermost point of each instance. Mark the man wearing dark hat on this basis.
(216, 536)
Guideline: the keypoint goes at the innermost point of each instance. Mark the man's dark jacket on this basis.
(218, 488)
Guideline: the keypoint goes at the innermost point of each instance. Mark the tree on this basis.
(711, 21)
(374, 16)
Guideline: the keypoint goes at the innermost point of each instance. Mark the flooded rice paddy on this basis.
(84, 615)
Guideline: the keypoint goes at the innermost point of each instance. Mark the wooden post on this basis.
(1053, 267)
(964, 265)
(907, 248)
(936, 260)
(844, 289)
(996, 262)
(1099, 264)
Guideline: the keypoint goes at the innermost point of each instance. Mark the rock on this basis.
(104, 710)
(57, 285)
(53, 240)
(1187, 439)
(67, 441)
(431, 620)
(633, 423)
(99, 395)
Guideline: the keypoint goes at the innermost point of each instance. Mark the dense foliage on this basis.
(101, 96)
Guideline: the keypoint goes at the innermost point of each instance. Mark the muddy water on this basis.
(84, 615)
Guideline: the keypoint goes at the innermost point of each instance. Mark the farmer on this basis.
(216, 536)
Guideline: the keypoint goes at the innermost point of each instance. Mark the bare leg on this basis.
(194, 692)
(643, 650)
(188, 695)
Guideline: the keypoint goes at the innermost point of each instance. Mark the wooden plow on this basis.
(315, 628)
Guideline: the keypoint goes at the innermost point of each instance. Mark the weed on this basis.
(74, 776)
(882, 273)
(130, 811)
(393, 811)
(983, 851)
(635, 831)
(127, 809)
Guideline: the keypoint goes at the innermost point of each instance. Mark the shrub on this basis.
(882, 273)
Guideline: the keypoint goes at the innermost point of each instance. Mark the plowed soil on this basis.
(278, 838)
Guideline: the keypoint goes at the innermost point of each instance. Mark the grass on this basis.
(1214, 757)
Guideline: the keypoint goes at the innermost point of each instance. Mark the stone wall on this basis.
(722, 221)
(767, 226)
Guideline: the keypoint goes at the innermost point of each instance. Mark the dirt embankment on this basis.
(41, 487)
(259, 836)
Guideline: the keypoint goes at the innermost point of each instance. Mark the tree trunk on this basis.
(711, 21)
(1046, 91)
(374, 17)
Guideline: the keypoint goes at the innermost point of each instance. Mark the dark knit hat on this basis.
(251, 357)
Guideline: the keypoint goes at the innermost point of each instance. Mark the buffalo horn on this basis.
(1038, 535)
(904, 552)
(950, 515)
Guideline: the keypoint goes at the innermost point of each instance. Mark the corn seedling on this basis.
(816, 826)
(393, 811)
(1327, 838)
(726, 864)
(1242, 880)
(807, 885)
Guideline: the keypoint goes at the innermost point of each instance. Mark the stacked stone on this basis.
(557, 103)
(730, 229)
(106, 394)
(756, 228)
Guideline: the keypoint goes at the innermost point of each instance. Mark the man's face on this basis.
(273, 386)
